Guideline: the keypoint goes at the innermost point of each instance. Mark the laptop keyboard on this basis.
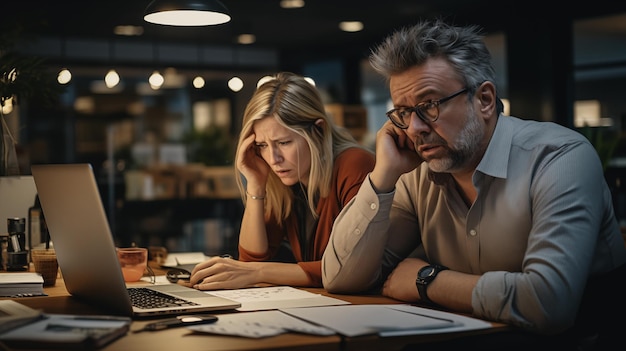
(148, 298)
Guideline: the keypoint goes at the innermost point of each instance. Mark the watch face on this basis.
(426, 272)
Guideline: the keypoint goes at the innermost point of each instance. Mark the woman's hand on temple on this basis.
(251, 165)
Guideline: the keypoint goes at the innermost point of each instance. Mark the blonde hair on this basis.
(297, 105)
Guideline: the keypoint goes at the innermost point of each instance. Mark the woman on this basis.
(299, 170)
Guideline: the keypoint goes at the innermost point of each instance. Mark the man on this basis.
(511, 220)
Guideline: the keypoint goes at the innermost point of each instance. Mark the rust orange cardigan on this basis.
(350, 168)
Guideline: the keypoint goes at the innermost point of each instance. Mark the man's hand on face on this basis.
(395, 155)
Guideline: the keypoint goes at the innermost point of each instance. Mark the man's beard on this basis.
(461, 151)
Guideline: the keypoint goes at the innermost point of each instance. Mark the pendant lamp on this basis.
(186, 12)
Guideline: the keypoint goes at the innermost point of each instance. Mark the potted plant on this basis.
(21, 78)
(604, 140)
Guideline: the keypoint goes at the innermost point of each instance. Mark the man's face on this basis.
(451, 143)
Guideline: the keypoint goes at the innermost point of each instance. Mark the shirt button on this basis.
(357, 231)
(473, 232)
(373, 206)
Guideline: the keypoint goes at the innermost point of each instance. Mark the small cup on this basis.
(133, 261)
(46, 264)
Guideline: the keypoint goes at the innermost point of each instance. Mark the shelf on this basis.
(209, 225)
(353, 117)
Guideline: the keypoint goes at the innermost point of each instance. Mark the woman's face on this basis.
(286, 152)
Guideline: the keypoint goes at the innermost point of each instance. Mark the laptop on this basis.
(85, 249)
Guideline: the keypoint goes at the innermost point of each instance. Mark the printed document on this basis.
(386, 320)
(275, 297)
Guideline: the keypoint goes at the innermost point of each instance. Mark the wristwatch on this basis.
(425, 276)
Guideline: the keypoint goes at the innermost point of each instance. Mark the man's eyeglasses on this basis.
(427, 111)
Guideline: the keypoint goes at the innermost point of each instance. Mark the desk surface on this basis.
(59, 301)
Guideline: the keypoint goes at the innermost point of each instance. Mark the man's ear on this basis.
(486, 94)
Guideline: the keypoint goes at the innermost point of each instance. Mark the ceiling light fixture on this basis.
(292, 4)
(7, 106)
(64, 76)
(111, 79)
(128, 30)
(198, 82)
(186, 12)
(263, 80)
(156, 80)
(246, 39)
(351, 26)
(235, 84)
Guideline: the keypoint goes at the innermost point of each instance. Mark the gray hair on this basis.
(462, 47)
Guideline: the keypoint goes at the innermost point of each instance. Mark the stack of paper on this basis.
(260, 324)
(296, 310)
(275, 297)
(386, 320)
(346, 320)
(21, 284)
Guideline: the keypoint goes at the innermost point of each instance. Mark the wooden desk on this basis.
(59, 301)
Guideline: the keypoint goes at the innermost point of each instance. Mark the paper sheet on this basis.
(386, 320)
(184, 258)
(254, 299)
(259, 325)
(350, 320)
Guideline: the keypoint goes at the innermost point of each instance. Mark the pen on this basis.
(179, 321)
(99, 318)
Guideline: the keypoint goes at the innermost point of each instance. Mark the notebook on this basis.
(85, 249)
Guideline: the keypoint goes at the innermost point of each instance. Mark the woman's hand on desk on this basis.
(227, 273)
(223, 273)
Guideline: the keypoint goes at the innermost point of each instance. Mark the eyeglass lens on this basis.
(427, 111)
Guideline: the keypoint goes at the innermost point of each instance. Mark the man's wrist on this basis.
(425, 277)
(380, 189)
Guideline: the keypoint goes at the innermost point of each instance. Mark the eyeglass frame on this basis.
(418, 109)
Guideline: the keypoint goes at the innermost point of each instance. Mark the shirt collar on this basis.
(495, 161)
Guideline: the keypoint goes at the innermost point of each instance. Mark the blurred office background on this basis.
(163, 155)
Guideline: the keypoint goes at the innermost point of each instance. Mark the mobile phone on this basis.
(174, 275)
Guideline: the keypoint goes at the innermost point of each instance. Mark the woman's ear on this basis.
(318, 127)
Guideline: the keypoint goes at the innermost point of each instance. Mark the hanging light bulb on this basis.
(64, 76)
(111, 79)
(235, 84)
(198, 82)
(263, 80)
(7, 107)
(156, 80)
